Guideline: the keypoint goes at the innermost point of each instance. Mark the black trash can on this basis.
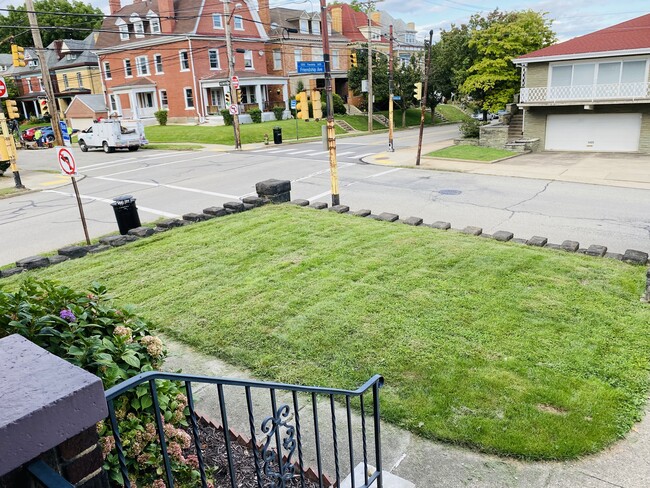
(126, 213)
(277, 135)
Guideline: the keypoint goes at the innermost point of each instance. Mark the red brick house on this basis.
(170, 54)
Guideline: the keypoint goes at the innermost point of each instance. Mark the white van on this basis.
(111, 135)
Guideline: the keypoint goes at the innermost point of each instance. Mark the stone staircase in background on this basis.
(352, 110)
(381, 119)
(516, 126)
(344, 125)
(437, 115)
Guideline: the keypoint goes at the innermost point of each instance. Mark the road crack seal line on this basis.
(509, 207)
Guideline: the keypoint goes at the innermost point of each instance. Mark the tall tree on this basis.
(405, 76)
(67, 26)
(451, 58)
(498, 38)
(379, 75)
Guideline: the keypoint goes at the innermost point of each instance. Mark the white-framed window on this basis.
(185, 60)
(138, 25)
(335, 60)
(248, 59)
(80, 81)
(297, 55)
(277, 59)
(213, 57)
(316, 54)
(66, 82)
(39, 84)
(128, 72)
(113, 102)
(29, 85)
(124, 32)
(107, 70)
(71, 56)
(409, 38)
(304, 26)
(154, 25)
(189, 97)
(158, 63)
(164, 103)
(239, 22)
(315, 27)
(248, 94)
(217, 21)
(142, 65)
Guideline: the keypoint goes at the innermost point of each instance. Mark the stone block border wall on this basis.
(278, 191)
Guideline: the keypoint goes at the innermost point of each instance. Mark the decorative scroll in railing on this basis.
(284, 438)
(586, 93)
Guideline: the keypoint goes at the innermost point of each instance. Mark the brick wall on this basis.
(537, 75)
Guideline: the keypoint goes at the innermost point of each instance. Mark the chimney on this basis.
(114, 6)
(166, 9)
(265, 14)
(337, 19)
(375, 17)
(410, 26)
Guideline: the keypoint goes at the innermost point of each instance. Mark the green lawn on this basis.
(412, 117)
(509, 349)
(452, 113)
(473, 153)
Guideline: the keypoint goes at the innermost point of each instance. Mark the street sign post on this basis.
(224, 83)
(64, 134)
(311, 66)
(233, 109)
(3, 89)
(294, 104)
(235, 82)
(68, 166)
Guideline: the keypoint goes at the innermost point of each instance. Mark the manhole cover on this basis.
(450, 192)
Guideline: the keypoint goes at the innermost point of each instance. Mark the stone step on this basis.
(381, 119)
(344, 125)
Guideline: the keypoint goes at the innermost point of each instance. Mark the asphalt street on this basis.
(171, 183)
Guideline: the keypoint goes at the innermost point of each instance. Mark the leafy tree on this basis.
(451, 58)
(379, 75)
(67, 26)
(493, 79)
(405, 77)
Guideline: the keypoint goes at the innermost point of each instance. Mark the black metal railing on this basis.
(284, 433)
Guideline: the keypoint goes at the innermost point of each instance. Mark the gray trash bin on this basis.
(277, 135)
(126, 213)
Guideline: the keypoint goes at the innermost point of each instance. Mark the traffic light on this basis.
(45, 109)
(12, 109)
(353, 59)
(227, 97)
(417, 91)
(18, 55)
(302, 107)
(316, 104)
(239, 95)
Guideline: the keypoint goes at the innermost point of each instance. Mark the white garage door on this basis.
(593, 132)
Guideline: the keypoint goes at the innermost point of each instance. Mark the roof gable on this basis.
(631, 35)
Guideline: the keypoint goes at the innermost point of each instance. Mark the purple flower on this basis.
(67, 315)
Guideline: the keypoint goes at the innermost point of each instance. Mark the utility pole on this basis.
(331, 131)
(45, 73)
(370, 96)
(423, 102)
(391, 90)
(231, 72)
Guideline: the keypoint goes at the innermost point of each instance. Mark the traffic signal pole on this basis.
(45, 73)
(331, 132)
(10, 146)
(391, 90)
(423, 102)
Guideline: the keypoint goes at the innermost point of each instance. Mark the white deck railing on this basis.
(586, 93)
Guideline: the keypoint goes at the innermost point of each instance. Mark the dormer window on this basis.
(154, 25)
(124, 30)
(138, 25)
(71, 56)
(315, 27)
(304, 26)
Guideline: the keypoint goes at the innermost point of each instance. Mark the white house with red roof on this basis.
(590, 93)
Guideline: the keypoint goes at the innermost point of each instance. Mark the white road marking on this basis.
(317, 173)
(316, 197)
(344, 153)
(319, 152)
(121, 162)
(140, 169)
(106, 200)
(172, 187)
(301, 152)
(384, 173)
(367, 154)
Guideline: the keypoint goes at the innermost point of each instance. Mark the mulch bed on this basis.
(214, 455)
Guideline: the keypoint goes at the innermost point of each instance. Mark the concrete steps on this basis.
(345, 126)
(381, 119)
(515, 128)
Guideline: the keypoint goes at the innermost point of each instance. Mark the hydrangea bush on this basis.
(89, 331)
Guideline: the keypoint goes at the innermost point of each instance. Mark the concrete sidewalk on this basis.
(430, 464)
(622, 170)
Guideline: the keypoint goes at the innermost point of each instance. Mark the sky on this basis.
(570, 18)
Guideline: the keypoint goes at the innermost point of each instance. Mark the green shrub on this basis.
(161, 116)
(87, 330)
(278, 112)
(339, 106)
(227, 118)
(470, 128)
(256, 115)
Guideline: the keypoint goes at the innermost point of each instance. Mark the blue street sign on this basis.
(311, 66)
(294, 104)
(397, 98)
(64, 133)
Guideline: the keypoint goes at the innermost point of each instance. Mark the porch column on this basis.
(285, 94)
(134, 106)
(37, 109)
(22, 102)
(258, 97)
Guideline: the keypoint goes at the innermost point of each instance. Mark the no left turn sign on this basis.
(233, 109)
(66, 161)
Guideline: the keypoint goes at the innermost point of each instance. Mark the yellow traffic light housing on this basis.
(353, 59)
(45, 109)
(239, 96)
(316, 104)
(18, 55)
(417, 91)
(302, 106)
(12, 109)
(226, 96)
